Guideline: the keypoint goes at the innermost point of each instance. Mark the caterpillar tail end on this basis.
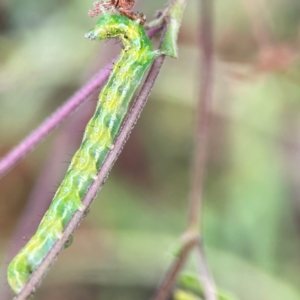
(16, 278)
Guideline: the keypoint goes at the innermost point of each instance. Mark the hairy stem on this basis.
(33, 139)
(28, 144)
(174, 13)
(129, 123)
(38, 203)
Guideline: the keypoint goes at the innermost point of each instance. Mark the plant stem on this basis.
(38, 201)
(202, 117)
(174, 13)
(188, 243)
(28, 144)
(201, 144)
(198, 164)
(205, 276)
(33, 139)
(129, 123)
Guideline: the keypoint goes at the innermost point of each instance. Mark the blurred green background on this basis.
(251, 223)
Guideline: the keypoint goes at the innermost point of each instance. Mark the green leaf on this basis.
(184, 295)
(191, 284)
(174, 15)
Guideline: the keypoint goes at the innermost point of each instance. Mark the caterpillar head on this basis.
(107, 26)
(111, 26)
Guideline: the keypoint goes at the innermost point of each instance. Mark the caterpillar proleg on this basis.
(99, 136)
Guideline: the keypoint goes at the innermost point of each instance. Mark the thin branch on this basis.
(188, 243)
(129, 123)
(201, 143)
(174, 13)
(162, 14)
(198, 163)
(28, 144)
(39, 200)
(202, 117)
(33, 139)
(205, 276)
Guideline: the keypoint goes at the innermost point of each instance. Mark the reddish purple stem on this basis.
(28, 144)
(21, 150)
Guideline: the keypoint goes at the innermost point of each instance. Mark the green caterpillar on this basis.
(100, 134)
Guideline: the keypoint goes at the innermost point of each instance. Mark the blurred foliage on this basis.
(252, 190)
(190, 288)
